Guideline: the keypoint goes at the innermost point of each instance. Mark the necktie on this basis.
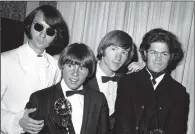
(155, 75)
(107, 78)
(72, 92)
(153, 81)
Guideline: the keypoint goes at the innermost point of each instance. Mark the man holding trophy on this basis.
(151, 101)
(66, 107)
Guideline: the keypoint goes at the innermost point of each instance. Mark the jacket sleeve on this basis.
(9, 120)
(124, 115)
(34, 102)
(104, 118)
(179, 114)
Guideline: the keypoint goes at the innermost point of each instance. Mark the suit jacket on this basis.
(95, 115)
(93, 84)
(140, 108)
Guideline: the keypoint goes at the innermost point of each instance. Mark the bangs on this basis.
(121, 41)
(78, 57)
(52, 18)
(74, 61)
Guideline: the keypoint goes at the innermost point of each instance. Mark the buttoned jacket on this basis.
(138, 105)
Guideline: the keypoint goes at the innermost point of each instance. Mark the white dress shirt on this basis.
(109, 89)
(23, 73)
(77, 103)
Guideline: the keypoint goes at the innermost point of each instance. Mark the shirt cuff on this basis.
(16, 128)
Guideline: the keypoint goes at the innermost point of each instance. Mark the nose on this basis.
(75, 71)
(158, 56)
(118, 55)
(43, 34)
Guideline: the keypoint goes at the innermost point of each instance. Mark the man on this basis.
(115, 51)
(66, 107)
(151, 101)
(29, 68)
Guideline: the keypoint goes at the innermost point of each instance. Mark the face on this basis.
(74, 75)
(158, 57)
(114, 57)
(41, 34)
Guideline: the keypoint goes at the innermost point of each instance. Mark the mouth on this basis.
(116, 63)
(40, 41)
(73, 81)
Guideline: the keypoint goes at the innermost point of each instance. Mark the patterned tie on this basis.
(72, 92)
(107, 78)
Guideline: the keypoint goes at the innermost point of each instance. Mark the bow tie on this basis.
(72, 92)
(107, 78)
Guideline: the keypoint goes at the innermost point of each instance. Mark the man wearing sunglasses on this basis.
(29, 68)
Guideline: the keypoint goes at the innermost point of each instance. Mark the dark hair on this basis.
(79, 54)
(161, 35)
(54, 19)
(116, 38)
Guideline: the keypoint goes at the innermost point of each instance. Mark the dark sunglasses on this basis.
(38, 27)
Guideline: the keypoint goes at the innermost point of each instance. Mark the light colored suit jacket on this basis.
(19, 79)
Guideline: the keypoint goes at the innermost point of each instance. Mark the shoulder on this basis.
(177, 87)
(45, 93)
(8, 55)
(51, 59)
(94, 94)
(135, 76)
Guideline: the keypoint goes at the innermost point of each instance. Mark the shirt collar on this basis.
(66, 88)
(158, 79)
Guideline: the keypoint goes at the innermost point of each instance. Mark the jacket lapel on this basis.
(92, 83)
(57, 94)
(87, 108)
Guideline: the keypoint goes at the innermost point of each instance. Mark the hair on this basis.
(79, 54)
(55, 20)
(172, 42)
(116, 38)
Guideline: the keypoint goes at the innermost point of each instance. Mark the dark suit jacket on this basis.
(93, 84)
(95, 115)
(138, 106)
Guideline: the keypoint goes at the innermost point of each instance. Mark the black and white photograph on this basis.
(97, 67)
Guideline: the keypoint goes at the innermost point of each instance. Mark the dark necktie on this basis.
(155, 75)
(107, 78)
(72, 92)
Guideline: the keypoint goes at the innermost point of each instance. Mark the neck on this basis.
(156, 74)
(38, 51)
(105, 69)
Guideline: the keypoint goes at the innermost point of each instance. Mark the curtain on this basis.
(88, 22)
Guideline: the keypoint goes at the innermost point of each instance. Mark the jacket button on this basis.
(137, 128)
(142, 106)
(160, 108)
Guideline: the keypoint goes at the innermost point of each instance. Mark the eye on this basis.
(69, 65)
(113, 49)
(152, 52)
(165, 54)
(83, 69)
(125, 53)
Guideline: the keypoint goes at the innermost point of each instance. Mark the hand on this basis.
(135, 67)
(28, 124)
